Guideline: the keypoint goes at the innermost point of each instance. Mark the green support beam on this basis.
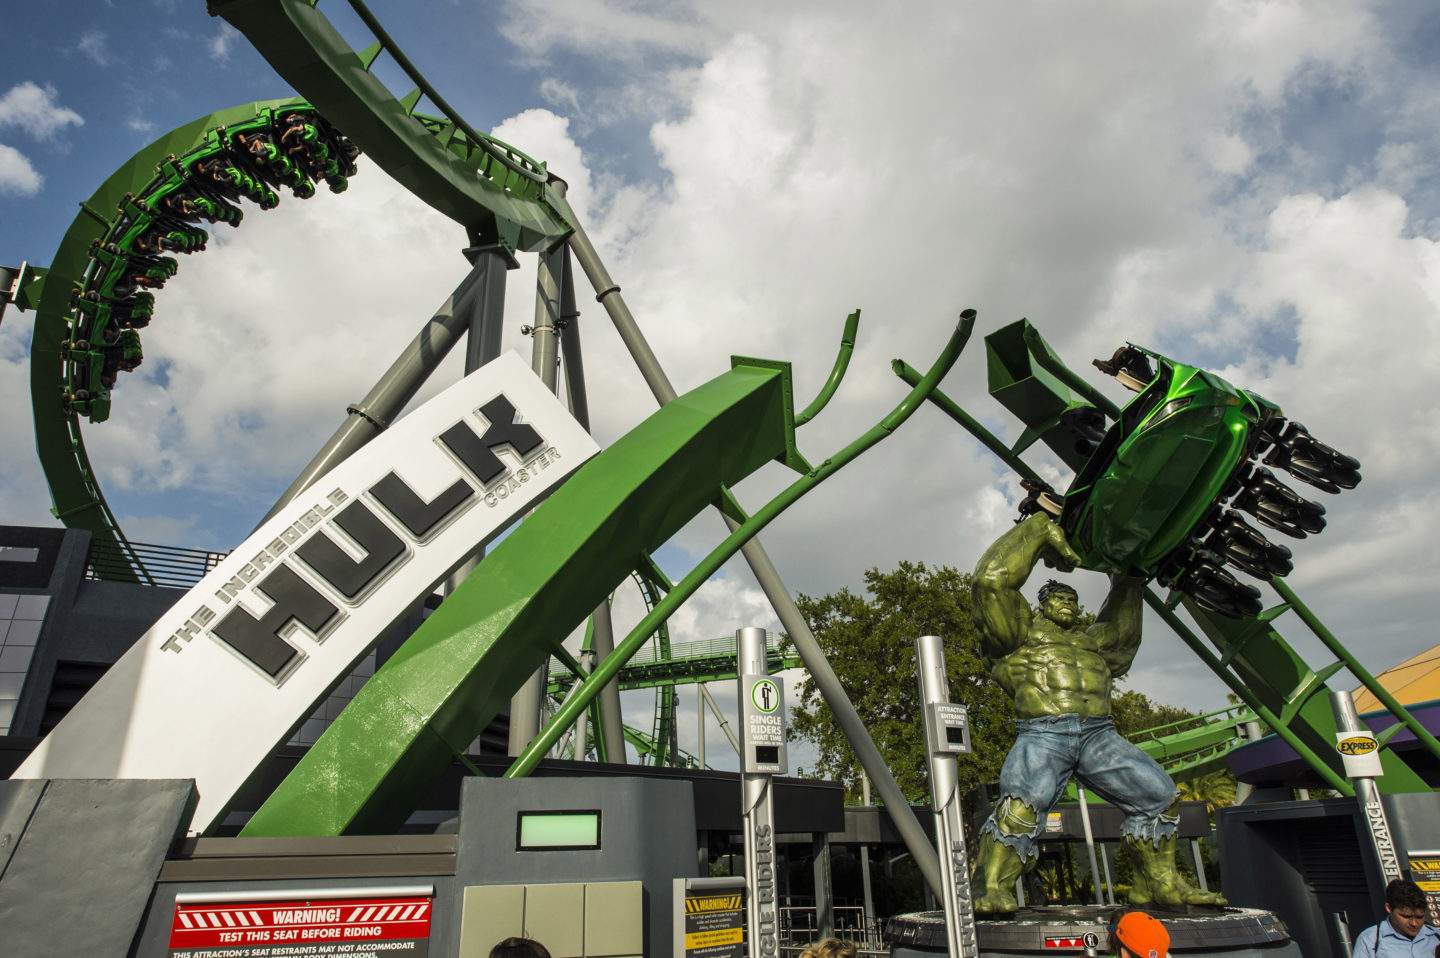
(658, 754)
(442, 687)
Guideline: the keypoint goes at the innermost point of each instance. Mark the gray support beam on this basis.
(574, 362)
(794, 623)
(843, 711)
(487, 325)
(1090, 846)
(700, 723)
(612, 723)
(865, 862)
(608, 295)
(602, 639)
(487, 317)
(525, 705)
(369, 417)
(720, 717)
(824, 890)
(544, 341)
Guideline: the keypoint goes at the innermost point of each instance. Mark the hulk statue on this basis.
(1060, 676)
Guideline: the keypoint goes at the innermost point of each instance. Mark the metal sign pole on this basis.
(1090, 845)
(947, 734)
(762, 755)
(1360, 754)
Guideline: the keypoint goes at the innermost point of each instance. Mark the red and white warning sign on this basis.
(1088, 940)
(315, 927)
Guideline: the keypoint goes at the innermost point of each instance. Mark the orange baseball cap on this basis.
(1143, 936)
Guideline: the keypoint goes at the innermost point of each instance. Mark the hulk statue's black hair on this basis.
(1053, 586)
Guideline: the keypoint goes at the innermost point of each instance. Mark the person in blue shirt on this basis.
(1403, 933)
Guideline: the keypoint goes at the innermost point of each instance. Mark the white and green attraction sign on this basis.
(231, 671)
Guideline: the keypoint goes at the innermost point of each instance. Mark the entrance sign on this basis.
(1356, 745)
(351, 925)
(230, 672)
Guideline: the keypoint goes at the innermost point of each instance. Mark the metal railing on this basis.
(799, 930)
(684, 651)
(169, 566)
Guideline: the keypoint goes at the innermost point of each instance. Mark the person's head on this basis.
(1138, 934)
(519, 948)
(832, 948)
(1059, 603)
(1406, 906)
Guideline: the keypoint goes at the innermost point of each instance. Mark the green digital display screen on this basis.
(557, 831)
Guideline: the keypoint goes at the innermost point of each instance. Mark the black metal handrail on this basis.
(170, 566)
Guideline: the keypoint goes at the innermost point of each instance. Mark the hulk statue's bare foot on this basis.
(1157, 881)
(997, 865)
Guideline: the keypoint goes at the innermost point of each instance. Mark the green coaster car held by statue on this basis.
(1160, 492)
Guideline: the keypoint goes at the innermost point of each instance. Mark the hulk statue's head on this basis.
(1059, 603)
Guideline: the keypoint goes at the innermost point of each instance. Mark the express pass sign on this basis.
(231, 671)
(361, 927)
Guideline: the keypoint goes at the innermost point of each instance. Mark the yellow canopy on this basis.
(1417, 679)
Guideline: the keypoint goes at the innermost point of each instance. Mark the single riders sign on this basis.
(238, 664)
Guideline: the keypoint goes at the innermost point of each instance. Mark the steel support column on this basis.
(793, 622)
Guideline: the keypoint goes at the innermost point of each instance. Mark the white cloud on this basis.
(561, 95)
(254, 381)
(23, 496)
(94, 44)
(35, 110)
(620, 29)
(17, 175)
(223, 41)
(547, 138)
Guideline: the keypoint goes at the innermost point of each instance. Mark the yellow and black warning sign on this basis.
(714, 924)
(699, 905)
(1425, 872)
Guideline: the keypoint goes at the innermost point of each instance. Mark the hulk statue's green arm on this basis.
(1117, 626)
(1001, 613)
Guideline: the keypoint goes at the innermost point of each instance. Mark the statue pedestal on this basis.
(1062, 930)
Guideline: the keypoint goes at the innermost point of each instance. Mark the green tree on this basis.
(1216, 790)
(870, 642)
(1136, 712)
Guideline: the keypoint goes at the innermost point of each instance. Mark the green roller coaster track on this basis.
(664, 667)
(497, 193)
(95, 295)
(706, 660)
(1188, 750)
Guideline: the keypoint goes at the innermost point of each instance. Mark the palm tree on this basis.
(1216, 790)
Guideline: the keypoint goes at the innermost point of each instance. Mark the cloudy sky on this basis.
(1247, 186)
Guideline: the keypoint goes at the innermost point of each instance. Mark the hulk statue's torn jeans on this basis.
(1050, 749)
